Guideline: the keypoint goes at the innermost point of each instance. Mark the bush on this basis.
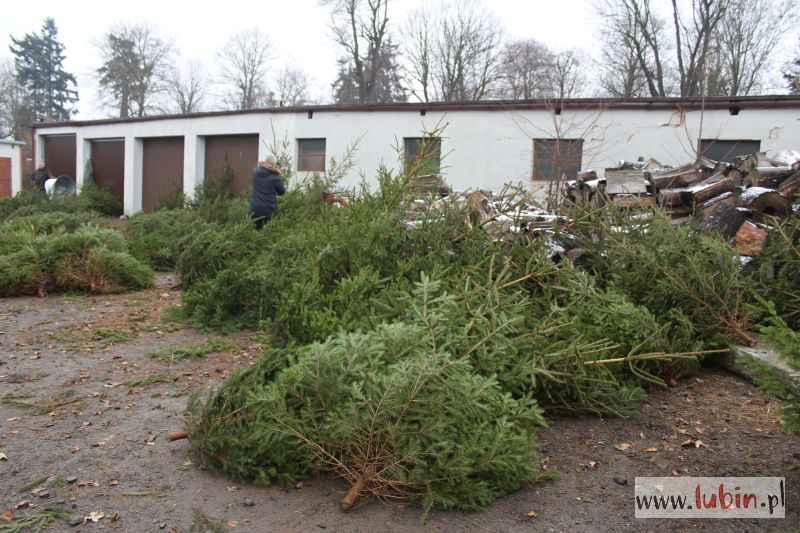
(100, 200)
(90, 199)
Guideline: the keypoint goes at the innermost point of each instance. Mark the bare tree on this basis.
(621, 74)
(526, 70)
(746, 43)
(633, 26)
(717, 47)
(418, 49)
(291, 87)
(243, 67)
(694, 43)
(457, 53)
(368, 70)
(16, 115)
(567, 79)
(186, 86)
(134, 69)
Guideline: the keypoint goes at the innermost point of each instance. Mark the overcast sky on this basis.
(298, 28)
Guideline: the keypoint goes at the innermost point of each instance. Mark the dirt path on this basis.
(85, 406)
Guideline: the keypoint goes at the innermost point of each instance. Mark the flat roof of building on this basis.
(688, 104)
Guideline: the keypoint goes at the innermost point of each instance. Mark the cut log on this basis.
(764, 202)
(625, 200)
(746, 163)
(625, 181)
(790, 186)
(736, 177)
(670, 197)
(672, 178)
(726, 198)
(708, 188)
(707, 167)
(771, 177)
(725, 219)
(750, 240)
(750, 179)
(723, 168)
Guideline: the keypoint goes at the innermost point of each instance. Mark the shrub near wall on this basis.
(32, 202)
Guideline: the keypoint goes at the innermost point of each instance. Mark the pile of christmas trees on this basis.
(414, 364)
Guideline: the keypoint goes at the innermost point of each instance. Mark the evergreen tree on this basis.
(134, 69)
(38, 61)
(792, 74)
(386, 85)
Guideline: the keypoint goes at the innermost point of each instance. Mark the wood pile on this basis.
(732, 198)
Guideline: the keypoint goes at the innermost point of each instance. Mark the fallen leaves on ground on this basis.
(7, 515)
(622, 447)
(692, 442)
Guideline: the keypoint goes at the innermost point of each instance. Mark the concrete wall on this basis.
(481, 148)
(13, 151)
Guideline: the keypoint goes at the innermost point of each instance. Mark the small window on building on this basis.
(311, 155)
(555, 159)
(727, 150)
(424, 154)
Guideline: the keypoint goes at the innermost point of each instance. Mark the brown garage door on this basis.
(162, 172)
(5, 177)
(237, 152)
(108, 163)
(59, 155)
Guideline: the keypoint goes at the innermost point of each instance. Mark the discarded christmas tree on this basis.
(397, 419)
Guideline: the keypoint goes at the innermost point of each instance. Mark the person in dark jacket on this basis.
(267, 186)
(41, 175)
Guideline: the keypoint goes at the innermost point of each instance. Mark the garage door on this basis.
(238, 152)
(59, 155)
(108, 163)
(5, 177)
(162, 172)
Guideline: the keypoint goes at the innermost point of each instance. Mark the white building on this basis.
(482, 144)
(10, 167)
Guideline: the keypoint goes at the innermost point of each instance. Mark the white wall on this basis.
(13, 151)
(481, 148)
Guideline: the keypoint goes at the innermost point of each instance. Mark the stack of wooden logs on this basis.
(733, 198)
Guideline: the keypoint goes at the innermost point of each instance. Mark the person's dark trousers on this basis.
(260, 220)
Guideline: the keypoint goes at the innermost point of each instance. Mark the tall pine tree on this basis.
(38, 60)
